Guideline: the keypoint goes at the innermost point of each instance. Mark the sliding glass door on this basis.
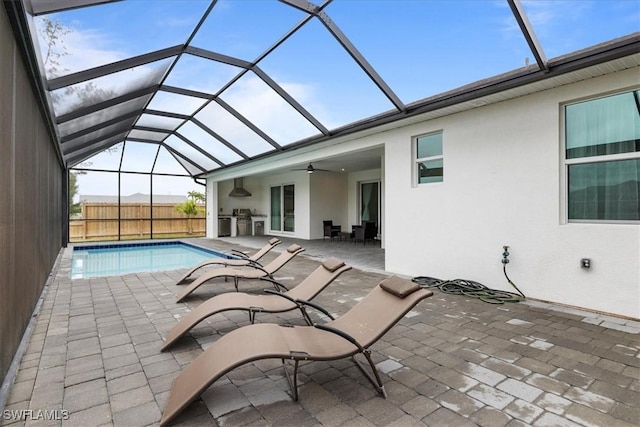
(276, 208)
(370, 202)
(283, 208)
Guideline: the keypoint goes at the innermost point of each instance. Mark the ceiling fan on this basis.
(311, 169)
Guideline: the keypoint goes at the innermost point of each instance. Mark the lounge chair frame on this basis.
(275, 301)
(300, 304)
(240, 259)
(347, 336)
(297, 357)
(250, 271)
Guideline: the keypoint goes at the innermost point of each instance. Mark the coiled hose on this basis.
(472, 289)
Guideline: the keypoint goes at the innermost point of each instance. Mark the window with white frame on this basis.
(429, 161)
(602, 156)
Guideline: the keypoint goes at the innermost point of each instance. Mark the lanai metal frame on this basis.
(123, 112)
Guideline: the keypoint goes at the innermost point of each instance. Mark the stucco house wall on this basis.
(504, 185)
(328, 200)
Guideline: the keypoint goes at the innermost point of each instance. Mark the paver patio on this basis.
(94, 358)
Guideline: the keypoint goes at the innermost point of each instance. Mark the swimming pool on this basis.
(118, 259)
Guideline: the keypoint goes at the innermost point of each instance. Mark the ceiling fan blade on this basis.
(311, 169)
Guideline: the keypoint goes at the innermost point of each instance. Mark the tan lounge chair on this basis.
(250, 271)
(351, 334)
(243, 259)
(273, 302)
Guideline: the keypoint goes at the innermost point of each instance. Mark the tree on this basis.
(197, 196)
(54, 35)
(74, 208)
(190, 207)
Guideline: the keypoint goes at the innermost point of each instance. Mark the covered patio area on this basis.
(93, 356)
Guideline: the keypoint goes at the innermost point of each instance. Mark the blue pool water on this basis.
(118, 259)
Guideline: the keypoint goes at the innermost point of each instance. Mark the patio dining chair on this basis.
(241, 259)
(347, 336)
(250, 271)
(367, 231)
(331, 231)
(273, 302)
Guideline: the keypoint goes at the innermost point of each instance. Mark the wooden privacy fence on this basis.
(100, 222)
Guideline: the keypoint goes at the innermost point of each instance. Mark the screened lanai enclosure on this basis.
(146, 97)
(142, 191)
(133, 106)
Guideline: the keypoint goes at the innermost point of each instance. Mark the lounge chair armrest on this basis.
(239, 253)
(275, 284)
(257, 266)
(224, 263)
(280, 294)
(302, 302)
(342, 334)
(252, 263)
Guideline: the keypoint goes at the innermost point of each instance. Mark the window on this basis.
(429, 164)
(602, 138)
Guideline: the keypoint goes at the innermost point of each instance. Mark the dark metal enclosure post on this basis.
(151, 205)
(119, 207)
(65, 207)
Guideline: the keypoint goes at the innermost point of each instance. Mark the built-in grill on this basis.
(243, 219)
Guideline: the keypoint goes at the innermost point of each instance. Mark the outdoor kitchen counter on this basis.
(255, 218)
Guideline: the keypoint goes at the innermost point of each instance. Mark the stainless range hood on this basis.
(238, 189)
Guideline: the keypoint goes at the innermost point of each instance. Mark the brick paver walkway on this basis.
(94, 359)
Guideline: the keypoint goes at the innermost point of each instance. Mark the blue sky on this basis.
(394, 35)
(420, 47)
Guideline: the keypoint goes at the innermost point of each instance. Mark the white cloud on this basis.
(76, 49)
(80, 49)
(267, 110)
(551, 15)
